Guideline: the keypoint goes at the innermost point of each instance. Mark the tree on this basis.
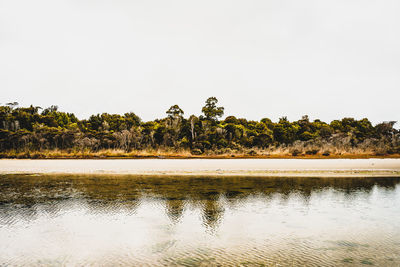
(193, 120)
(51, 109)
(132, 119)
(211, 111)
(11, 106)
(174, 112)
(385, 128)
(24, 129)
(231, 119)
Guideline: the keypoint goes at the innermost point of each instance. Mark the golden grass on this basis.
(185, 154)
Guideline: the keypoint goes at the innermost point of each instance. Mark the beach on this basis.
(218, 167)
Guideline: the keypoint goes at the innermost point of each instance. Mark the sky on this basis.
(328, 59)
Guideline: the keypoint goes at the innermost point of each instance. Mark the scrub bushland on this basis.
(33, 132)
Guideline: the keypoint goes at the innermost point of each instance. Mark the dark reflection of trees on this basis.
(174, 208)
(109, 193)
(212, 213)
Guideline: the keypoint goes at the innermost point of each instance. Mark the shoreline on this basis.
(179, 156)
(207, 167)
(300, 174)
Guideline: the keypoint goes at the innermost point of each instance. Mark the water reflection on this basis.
(246, 220)
(108, 193)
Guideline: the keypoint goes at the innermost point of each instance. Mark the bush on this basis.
(184, 142)
(196, 151)
(252, 153)
(395, 150)
(326, 153)
(37, 155)
(312, 152)
(296, 152)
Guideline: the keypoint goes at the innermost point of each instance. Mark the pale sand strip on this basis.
(236, 167)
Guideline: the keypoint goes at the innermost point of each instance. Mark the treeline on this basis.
(29, 129)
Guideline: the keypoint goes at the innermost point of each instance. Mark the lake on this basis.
(109, 220)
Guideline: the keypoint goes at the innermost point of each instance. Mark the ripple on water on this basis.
(153, 221)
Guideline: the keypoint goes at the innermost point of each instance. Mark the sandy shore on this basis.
(239, 167)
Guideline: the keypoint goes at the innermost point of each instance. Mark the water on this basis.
(104, 220)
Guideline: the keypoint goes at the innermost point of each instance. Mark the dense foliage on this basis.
(28, 129)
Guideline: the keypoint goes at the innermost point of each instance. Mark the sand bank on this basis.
(257, 167)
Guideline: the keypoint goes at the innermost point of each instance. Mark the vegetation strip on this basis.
(27, 133)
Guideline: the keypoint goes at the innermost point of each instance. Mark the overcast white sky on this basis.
(260, 58)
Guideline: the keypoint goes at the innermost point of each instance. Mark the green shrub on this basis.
(312, 152)
(196, 151)
(252, 153)
(296, 152)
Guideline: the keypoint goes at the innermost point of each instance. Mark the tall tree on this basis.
(175, 116)
(211, 111)
(175, 112)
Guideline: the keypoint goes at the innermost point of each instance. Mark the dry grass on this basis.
(293, 151)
